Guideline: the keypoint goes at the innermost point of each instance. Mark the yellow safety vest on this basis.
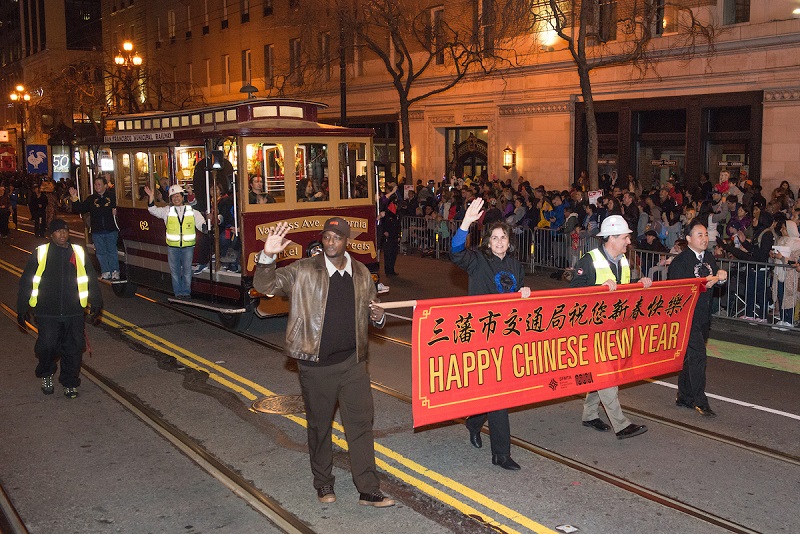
(80, 264)
(602, 269)
(180, 234)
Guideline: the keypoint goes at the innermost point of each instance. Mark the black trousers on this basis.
(499, 430)
(39, 224)
(345, 383)
(692, 380)
(391, 246)
(64, 337)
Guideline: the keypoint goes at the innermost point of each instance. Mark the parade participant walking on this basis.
(696, 262)
(492, 270)
(333, 301)
(57, 285)
(182, 223)
(607, 265)
(5, 211)
(102, 208)
(37, 204)
(390, 227)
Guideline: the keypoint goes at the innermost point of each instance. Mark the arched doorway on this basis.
(467, 152)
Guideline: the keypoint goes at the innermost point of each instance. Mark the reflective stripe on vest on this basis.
(602, 269)
(80, 265)
(180, 234)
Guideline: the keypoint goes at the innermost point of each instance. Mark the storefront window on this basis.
(353, 171)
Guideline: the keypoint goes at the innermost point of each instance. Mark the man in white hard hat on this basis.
(182, 222)
(607, 265)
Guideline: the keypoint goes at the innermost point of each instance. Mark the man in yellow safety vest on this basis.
(607, 265)
(58, 284)
(182, 225)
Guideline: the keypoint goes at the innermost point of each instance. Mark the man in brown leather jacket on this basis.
(332, 302)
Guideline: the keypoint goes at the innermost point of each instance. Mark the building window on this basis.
(226, 73)
(246, 69)
(325, 55)
(205, 12)
(487, 22)
(245, 9)
(295, 73)
(224, 23)
(190, 69)
(208, 74)
(188, 22)
(607, 20)
(171, 25)
(358, 63)
(666, 18)
(736, 11)
(437, 34)
(267, 8)
(269, 71)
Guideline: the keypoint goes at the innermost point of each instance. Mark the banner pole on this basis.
(398, 304)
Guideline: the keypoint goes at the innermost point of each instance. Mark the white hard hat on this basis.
(613, 225)
(175, 190)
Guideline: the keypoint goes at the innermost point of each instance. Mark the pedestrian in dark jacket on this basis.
(492, 270)
(696, 262)
(333, 301)
(101, 207)
(37, 204)
(57, 285)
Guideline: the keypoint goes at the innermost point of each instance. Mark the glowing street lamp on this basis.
(129, 61)
(21, 96)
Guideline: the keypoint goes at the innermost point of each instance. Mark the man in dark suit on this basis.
(696, 262)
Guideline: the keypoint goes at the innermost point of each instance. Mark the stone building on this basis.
(736, 109)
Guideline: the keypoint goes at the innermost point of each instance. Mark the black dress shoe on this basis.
(684, 404)
(597, 424)
(505, 462)
(705, 410)
(631, 430)
(475, 438)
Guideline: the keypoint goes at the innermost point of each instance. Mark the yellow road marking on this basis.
(186, 358)
(137, 333)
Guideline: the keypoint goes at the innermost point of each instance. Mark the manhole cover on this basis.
(280, 404)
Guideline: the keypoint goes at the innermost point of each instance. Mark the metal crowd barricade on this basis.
(747, 296)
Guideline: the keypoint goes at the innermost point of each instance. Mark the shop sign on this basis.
(663, 163)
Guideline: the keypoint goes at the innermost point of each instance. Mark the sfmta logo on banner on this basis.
(36, 155)
(476, 354)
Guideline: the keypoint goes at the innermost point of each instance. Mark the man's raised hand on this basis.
(276, 241)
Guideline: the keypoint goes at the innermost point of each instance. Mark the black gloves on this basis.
(94, 314)
(21, 318)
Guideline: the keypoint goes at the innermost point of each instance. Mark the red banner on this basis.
(477, 354)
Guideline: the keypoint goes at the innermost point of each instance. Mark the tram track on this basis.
(237, 484)
(617, 481)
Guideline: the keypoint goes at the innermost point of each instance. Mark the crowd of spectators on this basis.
(744, 225)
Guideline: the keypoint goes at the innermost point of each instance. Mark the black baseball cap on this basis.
(337, 225)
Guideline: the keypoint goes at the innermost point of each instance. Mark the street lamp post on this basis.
(129, 61)
(21, 96)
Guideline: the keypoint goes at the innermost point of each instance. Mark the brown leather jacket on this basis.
(305, 282)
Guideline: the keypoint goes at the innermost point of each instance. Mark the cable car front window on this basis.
(353, 171)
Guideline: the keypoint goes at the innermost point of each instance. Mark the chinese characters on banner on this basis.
(476, 354)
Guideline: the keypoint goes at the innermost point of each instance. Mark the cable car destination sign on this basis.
(472, 355)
